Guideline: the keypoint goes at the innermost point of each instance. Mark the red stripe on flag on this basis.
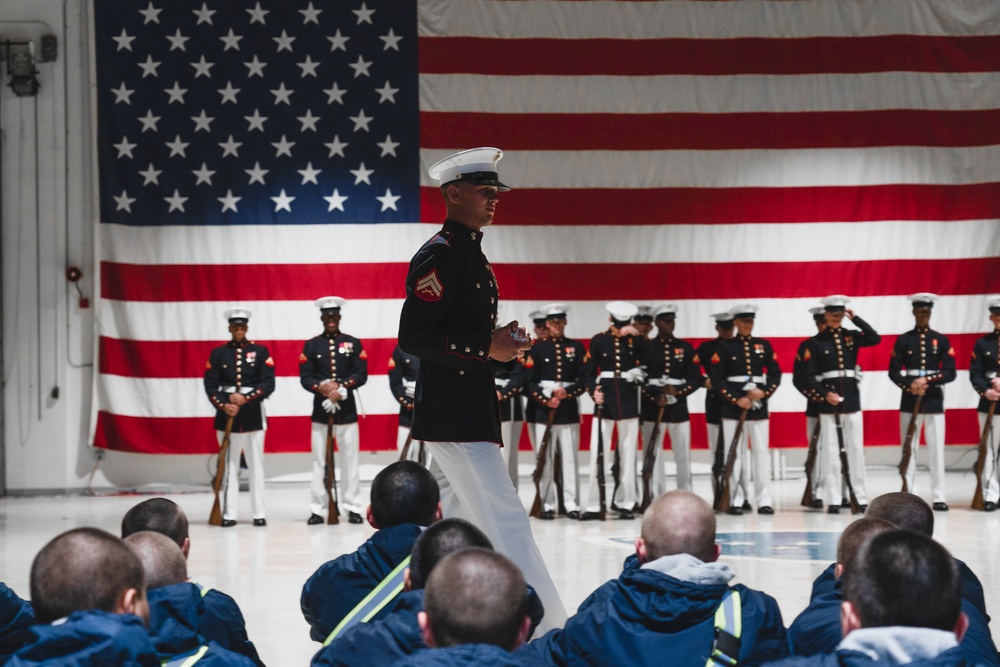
(574, 282)
(719, 131)
(664, 206)
(750, 55)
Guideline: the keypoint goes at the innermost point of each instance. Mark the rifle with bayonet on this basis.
(330, 476)
(977, 498)
(808, 497)
(911, 430)
(649, 460)
(725, 499)
(543, 454)
(215, 516)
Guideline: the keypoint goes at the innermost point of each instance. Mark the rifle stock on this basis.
(543, 453)
(603, 513)
(405, 453)
(215, 516)
(718, 465)
(649, 460)
(977, 498)
(808, 497)
(904, 462)
(845, 469)
(725, 500)
(330, 476)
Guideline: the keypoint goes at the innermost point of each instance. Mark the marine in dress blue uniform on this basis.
(558, 377)
(403, 369)
(922, 362)
(744, 371)
(449, 320)
(616, 364)
(812, 409)
(331, 367)
(983, 374)
(673, 376)
(238, 377)
(831, 359)
(532, 412)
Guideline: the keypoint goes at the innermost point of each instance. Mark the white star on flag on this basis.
(230, 146)
(388, 146)
(178, 147)
(284, 41)
(336, 146)
(202, 68)
(308, 121)
(388, 200)
(309, 174)
(229, 202)
(335, 200)
(202, 122)
(364, 14)
(150, 175)
(283, 147)
(256, 121)
(124, 147)
(123, 94)
(177, 41)
(256, 67)
(203, 175)
(149, 67)
(229, 93)
(337, 42)
(282, 202)
(361, 175)
(124, 203)
(361, 121)
(232, 41)
(176, 202)
(257, 174)
(282, 95)
(361, 67)
(149, 121)
(176, 93)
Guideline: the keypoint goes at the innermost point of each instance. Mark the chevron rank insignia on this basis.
(429, 288)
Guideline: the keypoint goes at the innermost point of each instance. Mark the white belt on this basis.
(991, 374)
(837, 374)
(608, 375)
(551, 384)
(919, 373)
(759, 379)
(410, 384)
(232, 389)
(660, 382)
(501, 382)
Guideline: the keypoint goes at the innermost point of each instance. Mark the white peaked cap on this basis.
(622, 310)
(328, 302)
(477, 165)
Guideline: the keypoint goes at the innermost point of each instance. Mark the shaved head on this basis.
(906, 510)
(162, 560)
(679, 522)
(857, 534)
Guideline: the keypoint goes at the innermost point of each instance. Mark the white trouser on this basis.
(854, 443)
(346, 455)
(933, 425)
(991, 475)
(758, 431)
(628, 438)
(253, 444)
(680, 444)
(511, 434)
(402, 434)
(567, 437)
(475, 486)
(819, 466)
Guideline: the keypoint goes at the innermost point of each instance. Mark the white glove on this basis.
(410, 388)
(857, 374)
(330, 406)
(634, 375)
(342, 392)
(671, 399)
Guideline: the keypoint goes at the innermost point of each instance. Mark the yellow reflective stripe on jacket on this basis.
(728, 627)
(188, 660)
(374, 602)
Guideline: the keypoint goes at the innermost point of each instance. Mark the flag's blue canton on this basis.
(270, 112)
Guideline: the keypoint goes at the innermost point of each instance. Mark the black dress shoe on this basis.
(817, 504)
(353, 517)
(766, 509)
(735, 511)
(863, 508)
(636, 509)
(845, 502)
(590, 516)
(314, 519)
(745, 505)
(228, 523)
(626, 515)
(833, 509)
(260, 522)
(987, 507)
(940, 507)
(573, 514)
(548, 515)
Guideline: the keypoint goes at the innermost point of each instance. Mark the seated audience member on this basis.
(902, 605)
(476, 612)
(405, 499)
(16, 619)
(221, 621)
(398, 634)
(89, 596)
(175, 605)
(672, 607)
(910, 512)
(817, 628)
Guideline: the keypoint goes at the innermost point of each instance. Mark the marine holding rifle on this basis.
(238, 377)
(831, 382)
(744, 372)
(983, 374)
(922, 362)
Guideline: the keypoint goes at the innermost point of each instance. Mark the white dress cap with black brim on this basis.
(237, 314)
(722, 318)
(993, 303)
(330, 303)
(745, 311)
(622, 311)
(476, 165)
(818, 313)
(537, 317)
(923, 299)
(835, 303)
(555, 310)
(666, 310)
(645, 314)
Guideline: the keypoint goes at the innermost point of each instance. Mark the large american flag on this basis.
(703, 153)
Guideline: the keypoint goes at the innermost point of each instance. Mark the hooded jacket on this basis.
(87, 638)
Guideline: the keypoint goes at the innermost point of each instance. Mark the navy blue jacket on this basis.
(88, 638)
(248, 366)
(738, 356)
(16, 618)
(403, 366)
(927, 351)
(833, 350)
(397, 635)
(466, 654)
(985, 360)
(557, 361)
(950, 658)
(648, 618)
(174, 613)
(341, 358)
(610, 353)
(509, 379)
(672, 358)
(447, 320)
(799, 379)
(222, 622)
(340, 584)
(703, 358)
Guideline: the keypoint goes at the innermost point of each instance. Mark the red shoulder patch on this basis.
(269, 362)
(392, 363)
(363, 355)
(807, 356)
(715, 358)
(528, 362)
(302, 358)
(429, 287)
(696, 360)
(951, 352)
(208, 365)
